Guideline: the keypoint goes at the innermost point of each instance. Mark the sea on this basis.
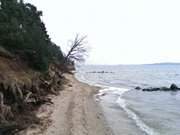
(135, 112)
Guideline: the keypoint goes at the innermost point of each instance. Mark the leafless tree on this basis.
(78, 51)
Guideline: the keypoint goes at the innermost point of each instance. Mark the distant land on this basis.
(164, 63)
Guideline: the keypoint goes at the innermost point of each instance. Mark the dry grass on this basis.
(22, 91)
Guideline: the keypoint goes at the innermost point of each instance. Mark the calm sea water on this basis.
(132, 112)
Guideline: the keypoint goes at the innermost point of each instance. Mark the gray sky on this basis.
(119, 31)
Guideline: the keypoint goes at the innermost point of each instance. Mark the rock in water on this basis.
(151, 89)
(164, 89)
(138, 88)
(174, 87)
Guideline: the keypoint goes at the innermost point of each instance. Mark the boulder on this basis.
(174, 87)
(151, 89)
(164, 89)
(138, 88)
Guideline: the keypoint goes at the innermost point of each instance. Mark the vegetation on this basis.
(77, 50)
(22, 32)
(22, 90)
(23, 38)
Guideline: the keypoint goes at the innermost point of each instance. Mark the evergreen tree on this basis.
(23, 32)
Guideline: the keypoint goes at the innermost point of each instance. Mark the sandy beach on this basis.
(73, 112)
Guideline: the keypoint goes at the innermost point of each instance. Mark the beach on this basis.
(129, 111)
(73, 112)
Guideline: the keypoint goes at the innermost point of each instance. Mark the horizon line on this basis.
(160, 63)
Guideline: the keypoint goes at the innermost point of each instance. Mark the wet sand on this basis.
(74, 112)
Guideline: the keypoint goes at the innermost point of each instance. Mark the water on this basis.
(132, 112)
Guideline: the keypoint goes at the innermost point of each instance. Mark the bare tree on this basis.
(78, 51)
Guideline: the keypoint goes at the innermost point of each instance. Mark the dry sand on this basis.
(74, 112)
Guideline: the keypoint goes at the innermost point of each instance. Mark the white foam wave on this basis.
(122, 102)
(112, 90)
(123, 105)
(132, 115)
(81, 78)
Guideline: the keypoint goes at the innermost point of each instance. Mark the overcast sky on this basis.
(119, 31)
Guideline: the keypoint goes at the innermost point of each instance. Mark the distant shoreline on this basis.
(163, 63)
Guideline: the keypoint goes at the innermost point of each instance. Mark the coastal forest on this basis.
(22, 32)
(31, 65)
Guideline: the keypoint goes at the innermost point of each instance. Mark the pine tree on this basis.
(22, 30)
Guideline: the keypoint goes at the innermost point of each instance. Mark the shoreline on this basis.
(73, 112)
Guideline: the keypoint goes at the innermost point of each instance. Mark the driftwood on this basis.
(27, 98)
(5, 111)
(6, 54)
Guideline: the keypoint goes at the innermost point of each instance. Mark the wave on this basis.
(122, 103)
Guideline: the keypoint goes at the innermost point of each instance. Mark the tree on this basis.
(77, 52)
(22, 32)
